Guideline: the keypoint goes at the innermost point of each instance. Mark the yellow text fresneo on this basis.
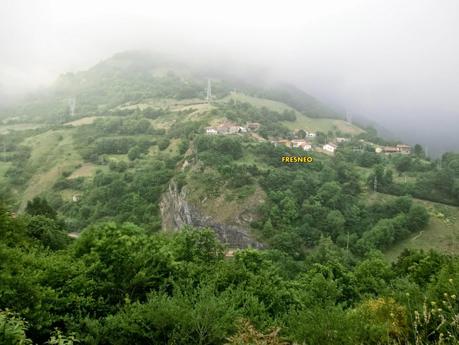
(297, 159)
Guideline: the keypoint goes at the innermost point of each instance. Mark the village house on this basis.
(378, 149)
(211, 130)
(233, 129)
(253, 126)
(310, 134)
(223, 129)
(341, 140)
(226, 128)
(301, 143)
(390, 149)
(405, 149)
(330, 147)
(305, 146)
(283, 142)
(297, 142)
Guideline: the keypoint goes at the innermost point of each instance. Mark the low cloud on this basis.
(394, 62)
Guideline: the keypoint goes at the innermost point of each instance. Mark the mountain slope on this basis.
(135, 150)
(134, 77)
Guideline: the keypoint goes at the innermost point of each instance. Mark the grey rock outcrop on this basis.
(176, 212)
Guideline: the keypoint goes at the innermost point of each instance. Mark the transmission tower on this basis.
(348, 117)
(209, 91)
(72, 105)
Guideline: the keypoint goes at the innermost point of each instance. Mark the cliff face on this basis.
(176, 212)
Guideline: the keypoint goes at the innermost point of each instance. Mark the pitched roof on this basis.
(332, 145)
(391, 149)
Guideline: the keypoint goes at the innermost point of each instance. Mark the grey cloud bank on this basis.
(394, 62)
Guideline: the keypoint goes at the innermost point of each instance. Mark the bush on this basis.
(39, 206)
(47, 231)
(417, 217)
(163, 144)
(12, 329)
(134, 153)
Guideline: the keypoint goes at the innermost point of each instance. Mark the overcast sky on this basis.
(391, 60)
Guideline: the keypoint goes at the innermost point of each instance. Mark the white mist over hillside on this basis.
(396, 63)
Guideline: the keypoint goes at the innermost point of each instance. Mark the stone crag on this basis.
(176, 212)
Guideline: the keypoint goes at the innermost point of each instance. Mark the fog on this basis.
(393, 62)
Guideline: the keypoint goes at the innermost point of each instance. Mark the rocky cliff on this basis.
(176, 212)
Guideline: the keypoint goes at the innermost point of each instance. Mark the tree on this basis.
(403, 164)
(419, 151)
(183, 146)
(335, 223)
(123, 261)
(134, 153)
(288, 242)
(197, 245)
(268, 230)
(329, 194)
(379, 236)
(321, 138)
(453, 165)
(301, 134)
(417, 217)
(373, 274)
(289, 210)
(47, 231)
(12, 231)
(40, 206)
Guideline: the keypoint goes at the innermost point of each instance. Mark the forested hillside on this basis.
(118, 284)
(132, 204)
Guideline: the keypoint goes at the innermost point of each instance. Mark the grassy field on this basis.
(4, 129)
(67, 194)
(51, 148)
(200, 112)
(86, 170)
(83, 121)
(170, 103)
(441, 234)
(172, 149)
(302, 122)
(258, 102)
(52, 154)
(322, 125)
